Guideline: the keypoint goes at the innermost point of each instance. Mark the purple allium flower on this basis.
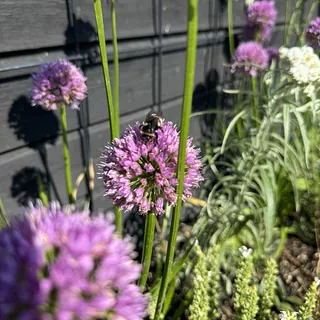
(57, 83)
(262, 13)
(72, 266)
(250, 57)
(313, 33)
(273, 54)
(143, 174)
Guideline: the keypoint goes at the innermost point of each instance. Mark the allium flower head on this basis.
(58, 83)
(250, 57)
(143, 174)
(72, 266)
(313, 33)
(262, 13)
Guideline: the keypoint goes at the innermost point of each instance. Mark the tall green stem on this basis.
(238, 108)
(115, 66)
(113, 114)
(185, 117)
(147, 248)
(66, 154)
(4, 221)
(287, 22)
(230, 28)
(255, 97)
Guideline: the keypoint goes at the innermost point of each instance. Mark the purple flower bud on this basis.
(58, 83)
(155, 180)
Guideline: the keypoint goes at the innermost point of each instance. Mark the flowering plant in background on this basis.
(261, 17)
(58, 83)
(304, 66)
(250, 58)
(313, 33)
(142, 173)
(60, 266)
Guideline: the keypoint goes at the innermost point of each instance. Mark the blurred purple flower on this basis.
(72, 266)
(57, 83)
(260, 21)
(262, 13)
(143, 174)
(250, 57)
(251, 31)
(313, 33)
(273, 54)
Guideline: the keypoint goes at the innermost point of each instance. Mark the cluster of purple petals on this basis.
(261, 17)
(19, 285)
(262, 13)
(58, 83)
(313, 33)
(250, 58)
(139, 174)
(84, 271)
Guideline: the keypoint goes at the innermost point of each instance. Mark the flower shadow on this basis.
(36, 128)
(25, 186)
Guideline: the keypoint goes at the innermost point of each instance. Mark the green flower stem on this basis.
(239, 108)
(113, 111)
(4, 221)
(115, 66)
(185, 117)
(147, 248)
(66, 154)
(255, 100)
(287, 23)
(230, 28)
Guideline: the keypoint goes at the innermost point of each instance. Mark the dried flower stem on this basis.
(147, 248)
(113, 113)
(66, 154)
(185, 118)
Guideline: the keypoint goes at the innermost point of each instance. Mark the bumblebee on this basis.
(152, 123)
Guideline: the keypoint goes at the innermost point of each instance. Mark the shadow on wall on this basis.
(36, 128)
(205, 99)
(80, 39)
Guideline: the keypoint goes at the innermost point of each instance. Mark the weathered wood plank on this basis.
(19, 169)
(29, 24)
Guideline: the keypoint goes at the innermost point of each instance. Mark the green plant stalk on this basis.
(230, 28)
(66, 154)
(238, 109)
(116, 67)
(42, 193)
(113, 115)
(4, 221)
(185, 118)
(147, 248)
(255, 97)
(287, 22)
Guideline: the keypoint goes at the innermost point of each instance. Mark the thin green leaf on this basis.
(230, 128)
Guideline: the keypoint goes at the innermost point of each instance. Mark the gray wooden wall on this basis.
(152, 41)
